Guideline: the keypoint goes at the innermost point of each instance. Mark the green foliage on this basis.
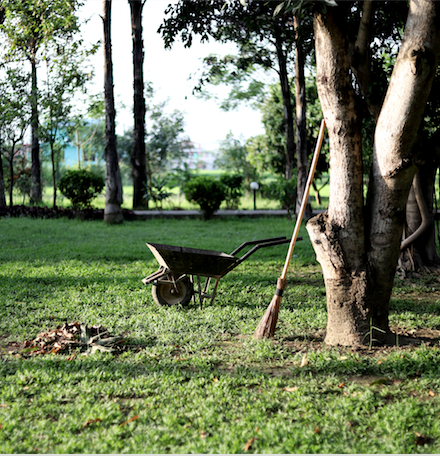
(157, 190)
(207, 192)
(233, 156)
(234, 189)
(81, 186)
(282, 190)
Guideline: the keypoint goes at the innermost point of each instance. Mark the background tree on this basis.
(66, 74)
(165, 139)
(14, 119)
(264, 39)
(30, 27)
(113, 182)
(233, 158)
(138, 158)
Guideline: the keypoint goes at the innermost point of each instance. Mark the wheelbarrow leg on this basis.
(215, 290)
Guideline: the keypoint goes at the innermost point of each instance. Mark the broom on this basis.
(267, 325)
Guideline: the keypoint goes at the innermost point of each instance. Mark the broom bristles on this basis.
(266, 327)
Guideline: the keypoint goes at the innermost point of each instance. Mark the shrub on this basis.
(156, 191)
(207, 192)
(234, 190)
(80, 187)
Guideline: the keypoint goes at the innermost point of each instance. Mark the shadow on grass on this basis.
(424, 363)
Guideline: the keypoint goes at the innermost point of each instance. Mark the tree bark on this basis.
(2, 182)
(359, 257)
(394, 165)
(287, 102)
(36, 195)
(301, 124)
(138, 158)
(113, 183)
(338, 234)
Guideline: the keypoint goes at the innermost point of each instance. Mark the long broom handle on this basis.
(305, 198)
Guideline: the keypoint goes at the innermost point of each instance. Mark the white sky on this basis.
(168, 70)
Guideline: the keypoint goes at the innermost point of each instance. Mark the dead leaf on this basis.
(249, 443)
(129, 420)
(304, 361)
(317, 430)
(4, 405)
(203, 434)
(431, 393)
(290, 389)
(89, 422)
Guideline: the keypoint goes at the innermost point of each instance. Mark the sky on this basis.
(168, 71)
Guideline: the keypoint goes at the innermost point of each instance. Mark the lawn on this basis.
(194, 380)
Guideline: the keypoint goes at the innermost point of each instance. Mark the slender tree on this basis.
(264, 40)
(66, 73)
(138, 158)
(113, 182)
(301, 120)
(14, 118)
(30, 27)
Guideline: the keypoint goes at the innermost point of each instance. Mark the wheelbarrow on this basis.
(178, 278)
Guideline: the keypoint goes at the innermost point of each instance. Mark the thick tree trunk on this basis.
(359, 259)
(287, 103)
(301, 125)
(138, 158)
(393, 167)
(338, 235)
(113, 183)
(36, 187)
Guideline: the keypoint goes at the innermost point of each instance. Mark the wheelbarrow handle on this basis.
(270, 243)
(242, 246)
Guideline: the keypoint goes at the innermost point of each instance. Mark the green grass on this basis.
(194, 380)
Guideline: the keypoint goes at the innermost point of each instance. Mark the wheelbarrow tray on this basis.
(187, 260)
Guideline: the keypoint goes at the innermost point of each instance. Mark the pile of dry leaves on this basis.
(70, 337)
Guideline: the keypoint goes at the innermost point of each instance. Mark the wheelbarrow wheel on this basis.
(166, 294)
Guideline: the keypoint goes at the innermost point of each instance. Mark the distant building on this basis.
(198, 158)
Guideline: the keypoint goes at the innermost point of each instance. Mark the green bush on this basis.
(80, 187)
(234, 189)
(207, 192)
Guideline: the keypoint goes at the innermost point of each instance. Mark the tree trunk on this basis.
(338, 234)
(418, 248)
(138, 158)
(301, 125)
(2, 183)
(11, 176)
(394, 166)
(54, 171)
(359, 259)
(36, 188)
(113, 183)
(287, 103)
